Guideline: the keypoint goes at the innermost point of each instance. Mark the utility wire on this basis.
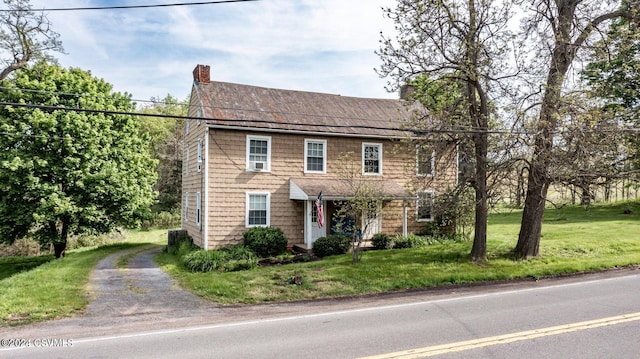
(318, 125)
(75, 94)
(129, 6)
(156, 102)
(255, 121)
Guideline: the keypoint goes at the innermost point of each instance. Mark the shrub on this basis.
(408, 241)
(381, 241)
(239, 252)
(184, 248)
(181, 246)
(163, 219)
(227, 259)
(331, 245)
(21, 247)
(265, 241)
(94, 240)
(204, 261)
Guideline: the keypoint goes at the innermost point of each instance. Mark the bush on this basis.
(265, 241)
(331, 245)
(203, 260)
(181, 246)
(21, 247)
(381, 241)
(408, 241)
(162, 220)
(184, 248)
(94, 240)
(228, 259)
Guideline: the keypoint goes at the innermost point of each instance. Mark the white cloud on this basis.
(322, 46)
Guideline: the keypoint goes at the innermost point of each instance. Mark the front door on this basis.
(371, 222)
(312, 230)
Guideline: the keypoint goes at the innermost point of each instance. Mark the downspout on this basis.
(404, 218)
(205, 190)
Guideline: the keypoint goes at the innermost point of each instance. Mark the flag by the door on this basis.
(320, 211)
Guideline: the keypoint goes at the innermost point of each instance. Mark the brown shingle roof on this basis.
(244, 106)
(332, 189)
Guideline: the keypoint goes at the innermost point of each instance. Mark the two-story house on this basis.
(259, 156)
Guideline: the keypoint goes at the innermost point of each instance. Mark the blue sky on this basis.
(310, 45)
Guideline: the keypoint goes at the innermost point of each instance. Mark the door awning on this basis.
(333, 189)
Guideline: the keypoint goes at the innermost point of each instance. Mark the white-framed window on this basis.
(259, 153)
(198, 210)
(258, 209)
(425, 161)
(315, 156)
(372, 158)
(199, 162)
(424, 206)
(186, 128)
(186, 206)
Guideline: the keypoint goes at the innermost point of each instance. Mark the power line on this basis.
(260, 111)
(75, 94)
(254, 121)
(130, 6)
(451, 131)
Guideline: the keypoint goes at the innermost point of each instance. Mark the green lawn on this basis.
(574, 240)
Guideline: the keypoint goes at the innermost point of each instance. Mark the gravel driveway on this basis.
(138, 297)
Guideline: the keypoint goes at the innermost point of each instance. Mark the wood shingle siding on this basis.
(225, 117)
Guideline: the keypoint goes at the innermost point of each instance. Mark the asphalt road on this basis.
(590, 317)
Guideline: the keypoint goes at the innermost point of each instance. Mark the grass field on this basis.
(574, 240)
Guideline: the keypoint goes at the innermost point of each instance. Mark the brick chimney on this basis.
(406, 92)
(201, 74)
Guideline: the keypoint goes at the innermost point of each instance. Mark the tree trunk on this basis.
(538, 184)
(585, 198)
(60, 247)
(479, 249)
(533, 214)
(478, 114)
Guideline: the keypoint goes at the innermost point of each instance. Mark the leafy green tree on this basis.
(69, 162)
(614, 75)
(165, 134)
(614, 78)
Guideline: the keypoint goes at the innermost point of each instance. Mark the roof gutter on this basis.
(300, 132)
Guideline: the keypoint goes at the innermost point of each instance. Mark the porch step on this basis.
(301, 248)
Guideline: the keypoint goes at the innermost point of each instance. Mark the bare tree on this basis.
(589, 148)
(563, 27)
(24, 36)
(355, 215)
(464, 41)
